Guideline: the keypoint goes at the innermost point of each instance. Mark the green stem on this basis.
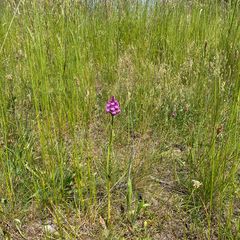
(129, 184)
(129, 181)
(109, 172)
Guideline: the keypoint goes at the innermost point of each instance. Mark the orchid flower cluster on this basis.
(113, 107)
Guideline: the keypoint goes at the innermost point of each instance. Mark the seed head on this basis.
(113, 107)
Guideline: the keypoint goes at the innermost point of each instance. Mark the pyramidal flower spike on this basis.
(113, 107)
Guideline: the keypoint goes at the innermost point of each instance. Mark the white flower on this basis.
(196, 184)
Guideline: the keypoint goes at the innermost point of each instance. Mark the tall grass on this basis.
(174, 66)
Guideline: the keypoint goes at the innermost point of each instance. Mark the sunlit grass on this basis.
(174, 67)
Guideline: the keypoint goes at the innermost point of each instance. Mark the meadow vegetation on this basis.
(174, 67)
